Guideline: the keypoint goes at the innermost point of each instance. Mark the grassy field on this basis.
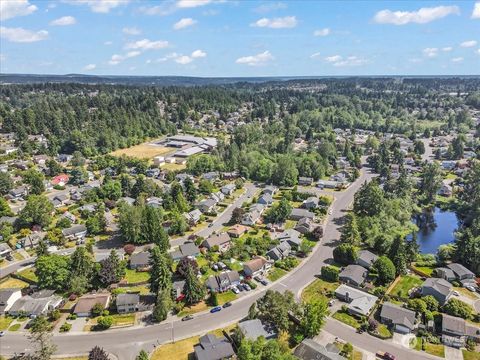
(427, 270)
(14, 327)
(471, 355)
(346, 319)
(13, 283)
(188, 310)
(404, 285)
(318, 289)
(173, 167)
(275, 274)
(226, 297)
(133, 276)
(432, 349)
(143, 151)
(123, 319)
(29, 274)
(5, 322)
(143, 290)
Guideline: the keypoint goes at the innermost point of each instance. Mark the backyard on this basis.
(28, 274)
(403, 286)
(13, 283)
(135, 277)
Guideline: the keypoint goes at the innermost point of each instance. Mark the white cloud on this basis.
(457, 59)
(256, 60)
(421, 16)
(22, 35)
(99, 6)
(184, 59)
(132, 54)
(478, 51)
(430, 52)
(11, 9)
(270, 7)
(276, 23)
(198, 54)
(117, 59)
(107, 43)
(64, 21)
(89, 67)
(322, 32)
(447, 49)
(183, 23)
(146, 44)
(333, 58)
(476, 11)
(315, 55)
(469, 43)
(415, 60)
(131, 31)
(182, 4)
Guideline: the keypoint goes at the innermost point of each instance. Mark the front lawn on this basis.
(226, 297)
(189, 310)
(14, 327)
(432, 349)
(29, 274)
(123, 319)
(135, 277)
(5, 322)
(346, 318)
(182, 349)
(13, 283)
(471, 355)
(275, 274)
(406, 283)
(383, 331)
(319, 288)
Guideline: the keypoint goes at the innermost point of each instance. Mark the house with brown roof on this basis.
(257, 266)
(237, 230)
(85, 304)
(222, 241)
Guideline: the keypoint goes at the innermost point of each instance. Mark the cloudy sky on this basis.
(240, 38)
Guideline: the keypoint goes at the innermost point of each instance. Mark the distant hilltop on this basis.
(174, 80)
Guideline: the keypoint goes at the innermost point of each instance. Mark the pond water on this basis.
(436, 228)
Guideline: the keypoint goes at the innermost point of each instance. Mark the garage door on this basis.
(402, 329)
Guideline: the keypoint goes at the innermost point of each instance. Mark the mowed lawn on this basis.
(134, 277)
(143, 151)
(319, 289)
(29, 274)
(13, 283)
(471, 355)
(405, 284)
(5, 322)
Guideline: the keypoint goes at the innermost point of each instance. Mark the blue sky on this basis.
(240, 38)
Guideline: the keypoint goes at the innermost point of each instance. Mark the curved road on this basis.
(126, 343)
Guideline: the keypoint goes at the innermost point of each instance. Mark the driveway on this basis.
(402, 339)
(453, 353)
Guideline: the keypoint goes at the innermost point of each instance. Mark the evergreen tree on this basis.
(193, 289)
(160, 273)
(162, 306)
(398, 255)
(350, 233)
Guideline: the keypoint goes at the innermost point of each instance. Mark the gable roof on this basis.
(211, 347)
(311, 350)
(440, 285)
(354, 272)
(140, 258)
(253, 329)
(460, 270)
(398, 315)
(217, 239)
(127, 299)
(367, 256)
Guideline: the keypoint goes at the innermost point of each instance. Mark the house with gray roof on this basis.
(353, 274)
(291, 236)
(297, 214)
(75, 232)
(456, 331)
(270, 189)
(309, 349)
(253, 329)
(211, 347)
(279, 252)
(186, 249)
(206, 205)
(402, 320)
(140, 260)
(305, 226)
(460, 271)
(5, 250)
(222, 241)
(305, 181)
(445, 273)
(127, 303)
(32, 305)
(265, 199)
(8, 297)
(440, 289)
(360, 303)
(366, 258)
(193, 217)
(223, 281)
(228, 189)
(310, 203)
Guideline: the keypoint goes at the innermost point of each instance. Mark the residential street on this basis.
(126, 343)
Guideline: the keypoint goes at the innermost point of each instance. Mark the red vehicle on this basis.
(385, 355)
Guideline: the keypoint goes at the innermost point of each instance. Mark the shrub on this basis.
(54, 315)
(458, 308)
(329, 273)
(72, 317)
(129, 249)
(104, 322)
(65, 327)
(97, 309)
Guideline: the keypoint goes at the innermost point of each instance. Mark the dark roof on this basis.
(189, 249)
(217, 239)
(440, 285)
(354, 272)
(311, 350)
(6, 293)
(453, 324)
(398, 315)
(459, 269)
(367, 256)
(75, 229)
(211, 347)
(140, 258)
(252, 329)
(126, 299)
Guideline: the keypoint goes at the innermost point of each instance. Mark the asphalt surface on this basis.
(126, 343)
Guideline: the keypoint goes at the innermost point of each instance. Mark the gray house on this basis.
(253, 329)
(461, 272)
(223, 281)
(305, 226)
(366, 258)
(402, 320)
(75, 232)
(456, 331)
(360, 302)
(297, 214)
(291, 236)
(265, 199)
(211, 347)
(440, 289)
(140, 260)
(127, 303)
(353, 274)
(311, 350)
(310, 203)
(279, 252)
(445, 273)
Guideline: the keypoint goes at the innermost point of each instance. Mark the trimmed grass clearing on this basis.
(290, 224)
(432, 349)
(226, 297)
(14, 327)
(427, 270)
(123, 319)
(173, 167)
(134, 277)
(29, 274)
(471, 355)
(319, 288)
(142, 290)
(346, 318)
(383, 331)
(188, 310)
(275, 274)
(143, 151)
(404, 285)
(5, 322)
(13, 283)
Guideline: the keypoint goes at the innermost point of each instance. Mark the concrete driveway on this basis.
(402, 339)
(453, 353)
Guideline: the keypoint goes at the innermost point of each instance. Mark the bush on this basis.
(252, 284)
(345, 254)
(287, 264)
(129, 249)
(385, 270)
(329, 273)
(104, 323)
(214, 299)
(458, 308)
(65, 327)
(54, 315)
(72, 317)
(97, 309)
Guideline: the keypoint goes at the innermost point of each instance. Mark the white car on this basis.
(455, 293)
(470, 287)
(235, 290)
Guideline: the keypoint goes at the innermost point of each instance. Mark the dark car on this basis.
(227, 304)
(216, 309)
(188, 317)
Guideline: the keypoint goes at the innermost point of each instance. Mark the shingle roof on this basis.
(398, 315)
(459, 269)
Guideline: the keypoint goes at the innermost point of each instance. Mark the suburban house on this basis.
(291, 236)
(353, 274)
(445, 190)
(445, 273)
(18, 193)
(5, 250)
(217, 196)
(7, 298)
(68, 215)
(127, 303)
(127, 199)
(305, 226)
(265, 199)
(186, 249)
(366, 258)
(311, 350)
(257, 266)
(250, 218)
(440, 289)
(140, 260)
(75, 232)
(401, 319)
(85, 303)
(310, 203)
(305, 181)
(270, 189)
(59, 200)
(279, 252)
(207, 205)
(211, 176)
(228, 189)
(36, 304)
(60, 180)
(456, 331)
(297, 214)
(222, 241)
(211, 347)
(360, 302)
(237, 230)
(30, 241)
(193, 217)
(328, 184)
(223, 281)
(460, 271)
(253, 329)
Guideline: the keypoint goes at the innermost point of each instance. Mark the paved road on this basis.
(126, 343)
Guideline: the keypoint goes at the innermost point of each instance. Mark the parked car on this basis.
(264, 281)
(331, 302)
(247, 287)
(188, 317)
(455, 293)
(2, 333)
(470, 287)
(385, 355)
(227, 304)
(235, 290)
(216, 309)
(210, 225)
